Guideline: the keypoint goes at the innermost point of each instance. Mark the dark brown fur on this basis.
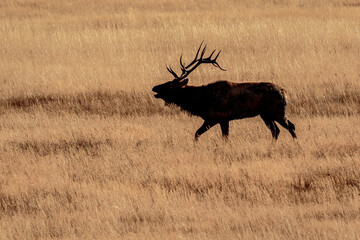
(223, 101)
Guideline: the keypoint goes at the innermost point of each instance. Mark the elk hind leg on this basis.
(275, 131)
(288, 125)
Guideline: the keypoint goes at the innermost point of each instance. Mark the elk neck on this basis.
(189, 98)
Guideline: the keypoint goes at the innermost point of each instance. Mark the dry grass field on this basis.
(87, 152)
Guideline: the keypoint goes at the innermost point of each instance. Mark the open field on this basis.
(87, 152)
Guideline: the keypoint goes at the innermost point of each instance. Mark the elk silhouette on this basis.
(223, 101)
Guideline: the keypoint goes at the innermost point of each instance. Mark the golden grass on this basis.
(87, 152)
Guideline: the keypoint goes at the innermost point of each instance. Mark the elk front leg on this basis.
(206, 126)
(225, 129)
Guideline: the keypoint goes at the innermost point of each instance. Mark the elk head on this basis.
(167, 91)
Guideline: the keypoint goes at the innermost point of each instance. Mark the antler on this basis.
(172, 72)
(195, 63)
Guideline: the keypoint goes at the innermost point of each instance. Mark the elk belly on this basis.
(218, 116)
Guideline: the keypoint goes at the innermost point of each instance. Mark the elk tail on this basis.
(283, 95)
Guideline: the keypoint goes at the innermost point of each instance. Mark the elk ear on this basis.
(184, 82)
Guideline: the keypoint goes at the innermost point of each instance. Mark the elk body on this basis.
(223, 101)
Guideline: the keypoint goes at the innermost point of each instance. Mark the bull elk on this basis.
(223, 101)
